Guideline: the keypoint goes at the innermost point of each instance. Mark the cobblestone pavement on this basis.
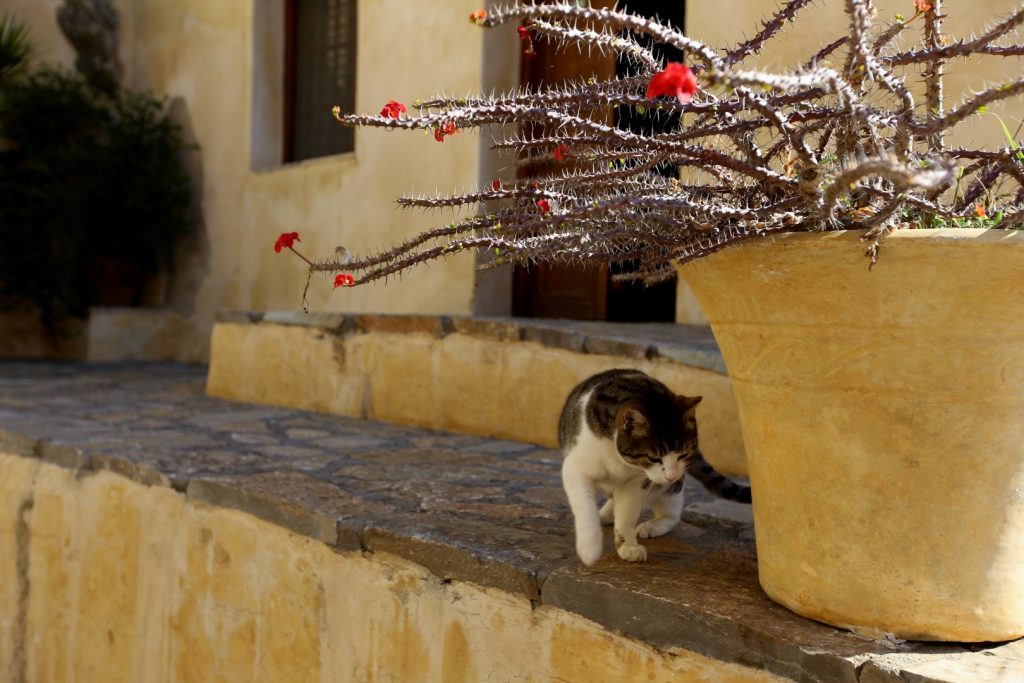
(466, 507)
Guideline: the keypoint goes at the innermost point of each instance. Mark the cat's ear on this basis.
(687, 403)
(633, 423)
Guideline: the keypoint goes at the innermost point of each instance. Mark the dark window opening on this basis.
(320, 73)
(589, 292)
(633, 301)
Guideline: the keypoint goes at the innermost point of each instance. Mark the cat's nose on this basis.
(670, 478)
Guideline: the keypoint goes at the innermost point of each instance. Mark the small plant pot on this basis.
(883, 419)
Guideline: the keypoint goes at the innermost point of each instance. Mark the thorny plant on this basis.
(821, 148)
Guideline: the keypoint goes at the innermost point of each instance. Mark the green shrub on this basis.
(92, 193)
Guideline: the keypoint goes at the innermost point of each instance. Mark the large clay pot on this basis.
(883, 418)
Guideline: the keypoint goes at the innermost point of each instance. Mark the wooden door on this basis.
(586, 292)
(556, 290)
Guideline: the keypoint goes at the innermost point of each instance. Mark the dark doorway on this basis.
(588, 293)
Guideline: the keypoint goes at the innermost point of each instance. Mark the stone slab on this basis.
(276, 509)
(502, 329)
(466, 508)
(434, 325)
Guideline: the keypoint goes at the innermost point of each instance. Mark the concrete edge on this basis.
(561, 334)
(295, 518)
(716, 637)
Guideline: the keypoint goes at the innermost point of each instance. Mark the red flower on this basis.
(543, 205)
(922, 6)
(495, 185)
(393, 109)
(477, 17)
(344, 280)
(676, 80)
(524, 33)
(561, 152)
(446, 128)
(979, 211)
(287, 239)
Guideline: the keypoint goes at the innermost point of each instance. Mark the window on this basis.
(320, 73)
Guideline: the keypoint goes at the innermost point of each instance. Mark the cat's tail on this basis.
(716, 483)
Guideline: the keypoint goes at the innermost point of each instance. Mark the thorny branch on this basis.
(822, 147)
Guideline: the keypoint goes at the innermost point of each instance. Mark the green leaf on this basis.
(1009, 138)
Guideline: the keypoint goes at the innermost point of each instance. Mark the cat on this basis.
(627, 434)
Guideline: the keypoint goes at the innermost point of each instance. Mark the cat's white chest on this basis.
(598, 460)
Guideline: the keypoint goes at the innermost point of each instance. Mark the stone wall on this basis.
(504, 378)
(104, 579)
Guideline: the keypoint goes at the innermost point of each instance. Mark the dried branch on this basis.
(818, 148)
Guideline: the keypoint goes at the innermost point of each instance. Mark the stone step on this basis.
(486, 512)
(504, 378)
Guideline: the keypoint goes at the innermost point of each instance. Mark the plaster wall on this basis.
(104, 579)
(458, 383)
(820, 22)
(219, 62)
(49, 44)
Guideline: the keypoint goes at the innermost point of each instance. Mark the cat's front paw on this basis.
(653, 528)
(589, 550)
(633, 553)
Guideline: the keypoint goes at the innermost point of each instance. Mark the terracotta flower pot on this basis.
(883, 418)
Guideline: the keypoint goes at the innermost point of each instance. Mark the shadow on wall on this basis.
(191, 262)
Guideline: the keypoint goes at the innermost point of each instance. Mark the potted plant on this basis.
(93, 195)
(859, 274)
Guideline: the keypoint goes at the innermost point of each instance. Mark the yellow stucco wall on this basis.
(723, 25)
(459, 382)
(821, 22)
(203, 53)
(106, 580)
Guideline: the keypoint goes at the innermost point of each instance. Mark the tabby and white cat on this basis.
(627, 434)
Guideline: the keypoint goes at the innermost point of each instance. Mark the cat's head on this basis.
(659, 438)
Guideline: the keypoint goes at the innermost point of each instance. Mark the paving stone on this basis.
(611, 346)
(437, 326)
(502, 329)
(66, 456)
(137, 472)
(464, 549)
(14, 443)
(500, 447)
(275, 504)
(467, 508)
(555, 337)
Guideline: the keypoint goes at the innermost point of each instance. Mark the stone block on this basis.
(274, 509)
(15, 443)
(611, 346)
(142, 334)
(135, 471)
(434, 325)
(400, 385)
(500, 329)
(561, 337)
(303, 367)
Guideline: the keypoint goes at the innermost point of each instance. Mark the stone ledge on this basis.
(692, 345)
(502, 378)
(468, 509)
